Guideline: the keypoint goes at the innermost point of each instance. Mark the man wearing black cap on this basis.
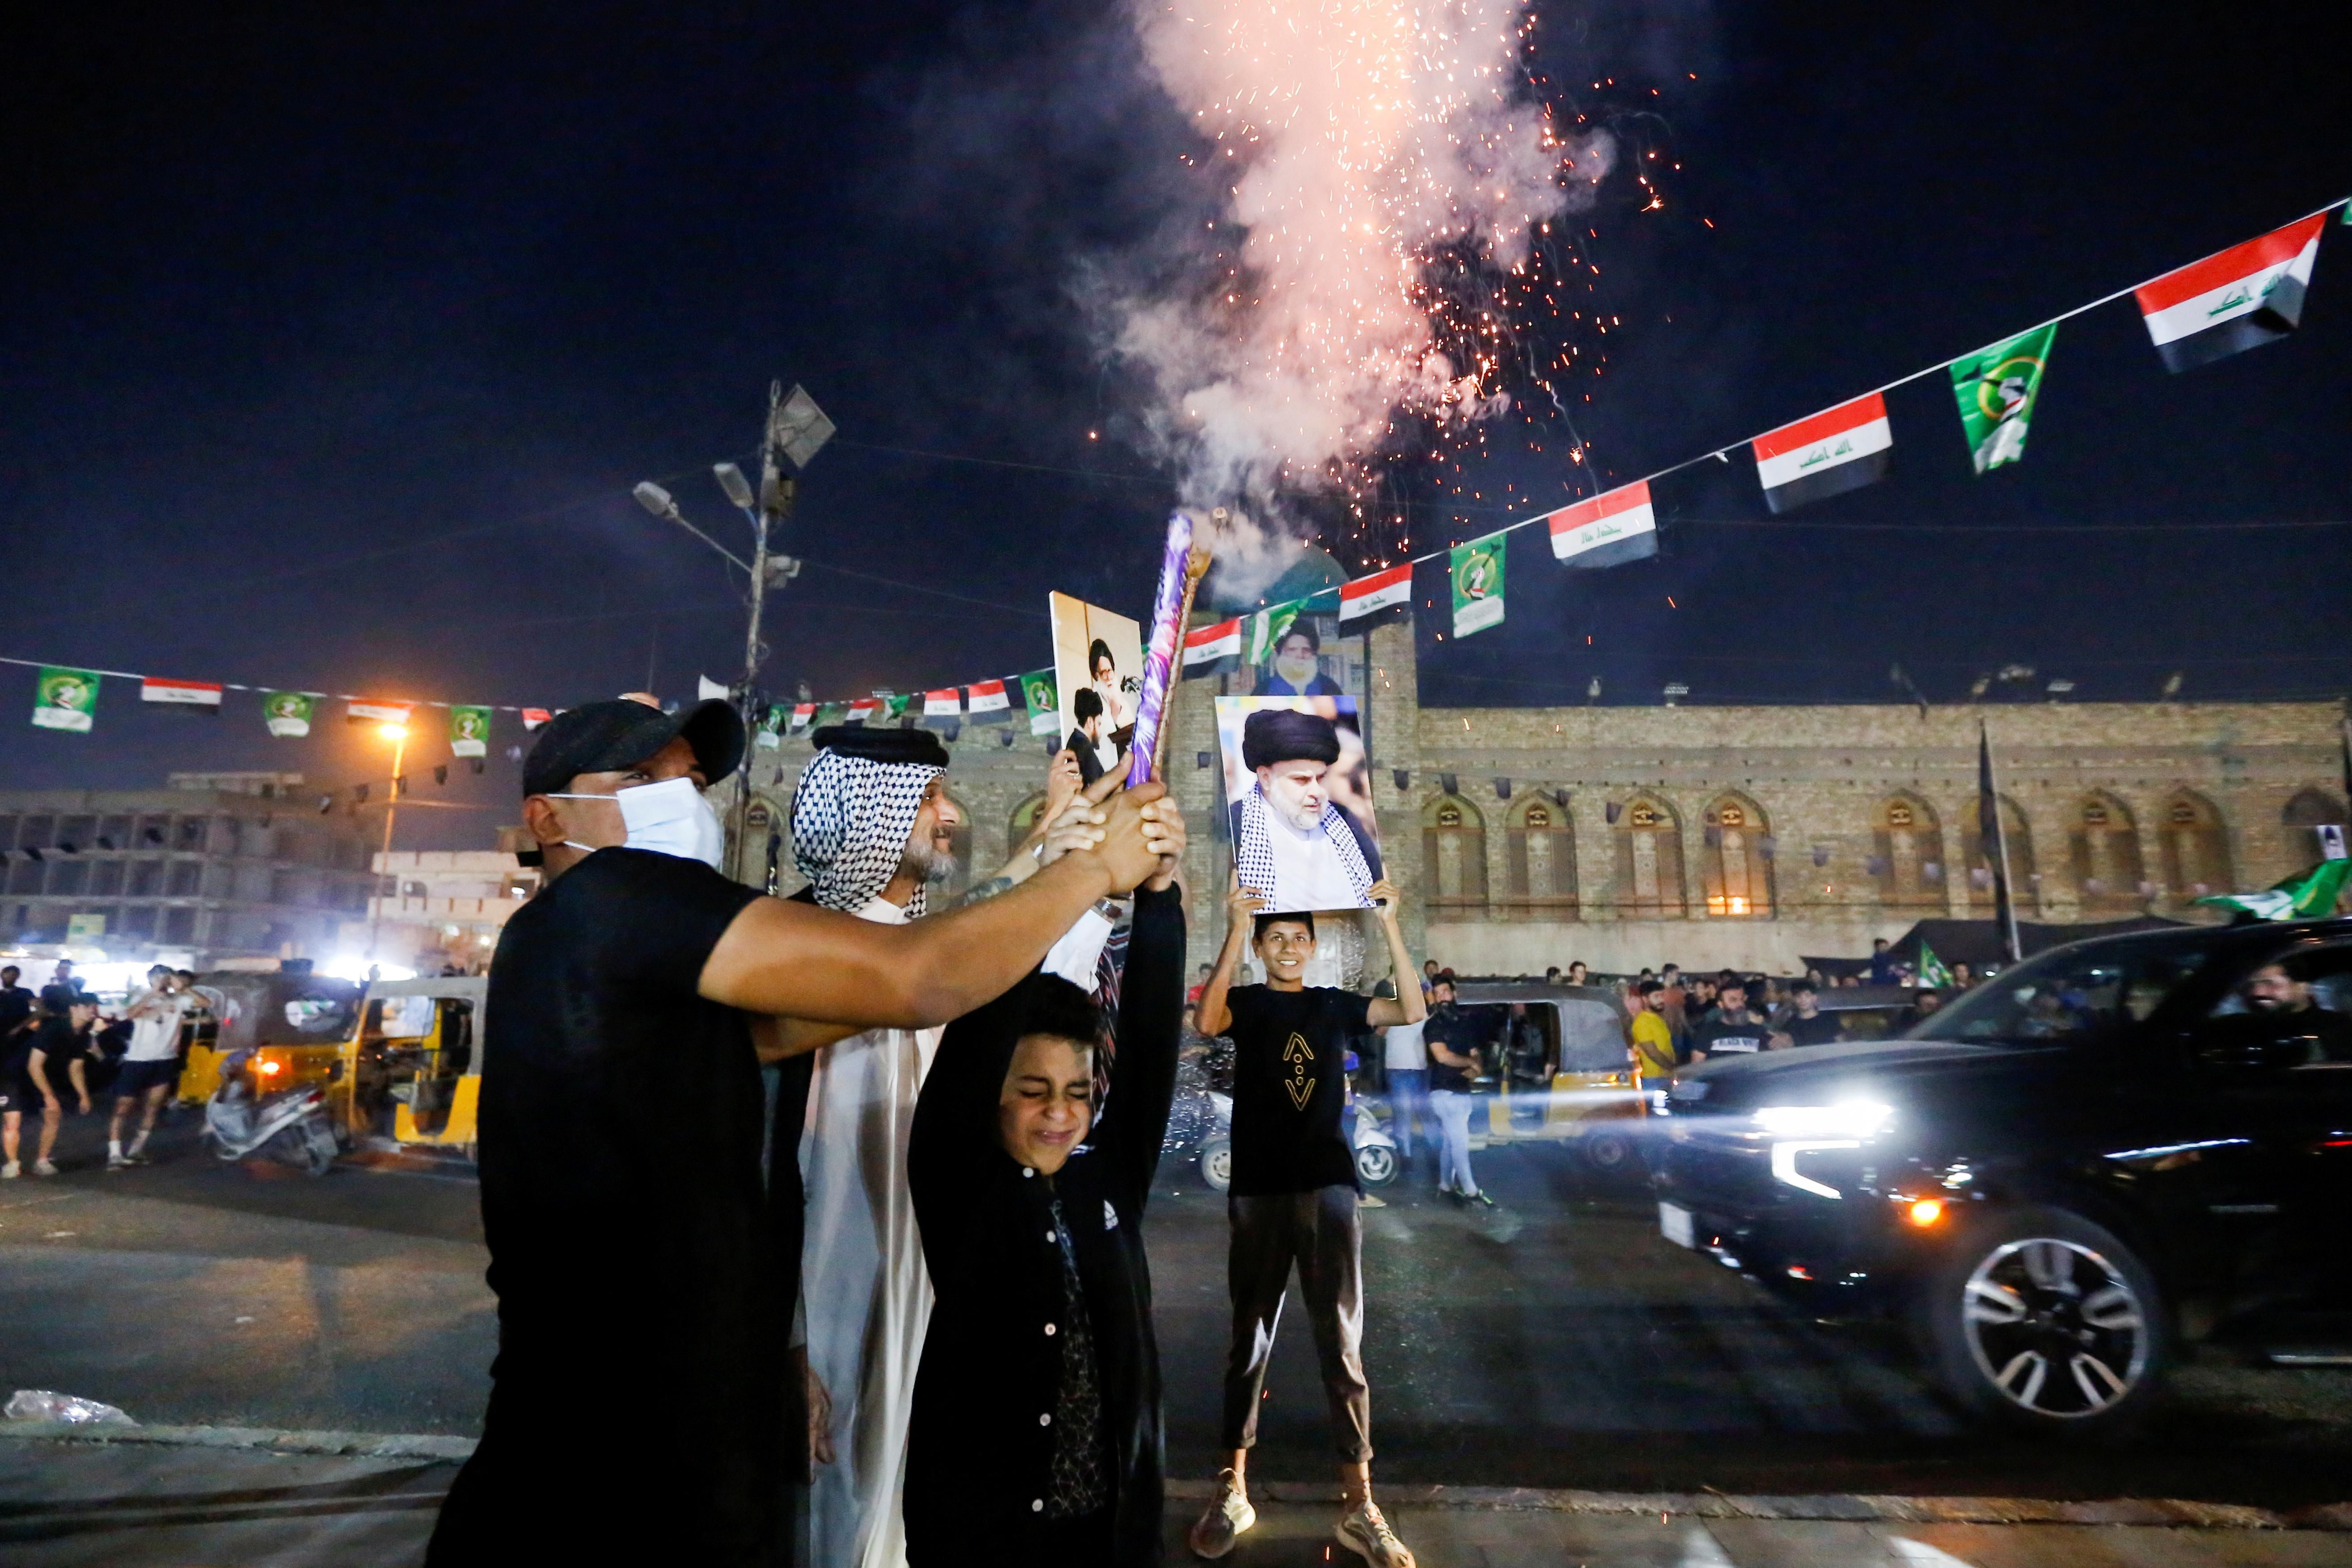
(643, 1301)
(1294, 845)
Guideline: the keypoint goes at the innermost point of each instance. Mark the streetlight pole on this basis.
(795, 428)
(399, 735)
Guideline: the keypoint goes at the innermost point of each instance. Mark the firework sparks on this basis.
(1388, 179)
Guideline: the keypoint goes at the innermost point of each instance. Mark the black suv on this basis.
(2110, 1148)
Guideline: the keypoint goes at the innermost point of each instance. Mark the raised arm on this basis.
(1143, 1074)
(1410, 1006)
(799, 962)
(1212, 1017)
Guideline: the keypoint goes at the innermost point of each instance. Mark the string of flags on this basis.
(2223, 304)
(2234, 299)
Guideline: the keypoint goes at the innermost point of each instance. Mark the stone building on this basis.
(442, 908)
(212, 866)
(1739, 836)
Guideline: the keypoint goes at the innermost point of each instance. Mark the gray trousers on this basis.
(1319, 1232)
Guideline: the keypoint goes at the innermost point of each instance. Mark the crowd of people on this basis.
(61, 1055)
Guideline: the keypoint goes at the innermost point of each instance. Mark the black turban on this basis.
(1276, 735)
(877, 744)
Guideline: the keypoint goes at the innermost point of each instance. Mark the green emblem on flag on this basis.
(1044, 703)
(2305, 896)
(1996, 388)
(469, 731)
(66, 699)
(1933, 971)
(1477, 584)
(1266, 629)
(772, 727)
(287, 713)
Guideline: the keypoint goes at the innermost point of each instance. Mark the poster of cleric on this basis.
(1298, 793)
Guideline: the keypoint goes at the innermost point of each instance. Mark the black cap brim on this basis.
(606, 737)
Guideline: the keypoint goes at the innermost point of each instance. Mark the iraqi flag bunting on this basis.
(1832, 452)
(1210, 648)
(801, 714)
(366, 710)
(194, 696)
(1377, 592)
(532, 718)
(864, 709)
(2248, 295)
(988, 702)
(1607, 530)
(944, 710)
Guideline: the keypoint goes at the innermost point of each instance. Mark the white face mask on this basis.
(669, 819)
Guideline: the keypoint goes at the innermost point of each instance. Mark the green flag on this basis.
(772, 727)
(2303, 896)
(66, 699)
(1933, 971)
(1266, 629)
(1996, 386)
(469, 731)
(1044, 701)
(1477, 584)
(828, 714)
(289, 713)
(894, 708)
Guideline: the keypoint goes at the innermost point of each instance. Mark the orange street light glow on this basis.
(1925, 1213)
(394, 732)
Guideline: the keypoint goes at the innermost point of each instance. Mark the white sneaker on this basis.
(1228, 1514)
(43, 1168)
(117, 1163)
(9, 1173)
(1364, 1532)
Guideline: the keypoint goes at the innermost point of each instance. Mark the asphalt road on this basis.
(1553, 1341)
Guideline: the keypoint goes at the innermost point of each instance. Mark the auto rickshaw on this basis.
(412, 1068)
(292, 1027)
(1565, 1048)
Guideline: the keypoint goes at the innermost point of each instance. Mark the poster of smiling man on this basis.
(1098, 666)
(1298, 789)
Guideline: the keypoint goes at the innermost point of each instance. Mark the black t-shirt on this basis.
(621, 1121)
(1820, 1029)
(1451, 1027)
(16, 1005)
(1289, 1085)
(1720, 1037)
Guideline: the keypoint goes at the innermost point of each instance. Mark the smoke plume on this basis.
(1354, 141)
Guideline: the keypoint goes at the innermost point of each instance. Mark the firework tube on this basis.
(1159, 653)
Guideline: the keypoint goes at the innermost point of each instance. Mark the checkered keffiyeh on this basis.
(851, 816)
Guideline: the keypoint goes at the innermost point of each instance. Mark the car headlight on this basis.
(1852, 1119)
(1809, 1129)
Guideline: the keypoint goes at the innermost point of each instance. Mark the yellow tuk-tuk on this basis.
(412, 1068)
(399, 1059)
(292, 1027)
(1565, 1066)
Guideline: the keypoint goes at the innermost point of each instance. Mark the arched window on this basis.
(1454, 854)
(2105, 845)
(1736, 867)
(1649, 860)
(2196, 848)
(1976, 853)
(1541, 856)
(1908, 867)
(2312, 808)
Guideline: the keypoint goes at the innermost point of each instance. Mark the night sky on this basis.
(335, 337)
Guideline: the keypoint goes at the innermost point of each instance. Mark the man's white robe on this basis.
(864, 1294)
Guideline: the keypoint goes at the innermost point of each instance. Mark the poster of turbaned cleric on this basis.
(1098, 670)
(1298, 792)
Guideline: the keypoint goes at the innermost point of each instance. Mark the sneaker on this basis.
(137, 1158)
(1481, 1199)
(116, 1162)
(43, 1168)
(1367, 1201)
(1228, 1514)
(9, 1173)
(1364, 1532)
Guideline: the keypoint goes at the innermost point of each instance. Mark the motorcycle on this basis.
(291, 1126)
(1201, 1116)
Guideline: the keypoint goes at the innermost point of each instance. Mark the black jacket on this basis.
(977, 1455)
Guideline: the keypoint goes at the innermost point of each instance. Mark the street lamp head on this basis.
(655, 498)
(732, 480)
